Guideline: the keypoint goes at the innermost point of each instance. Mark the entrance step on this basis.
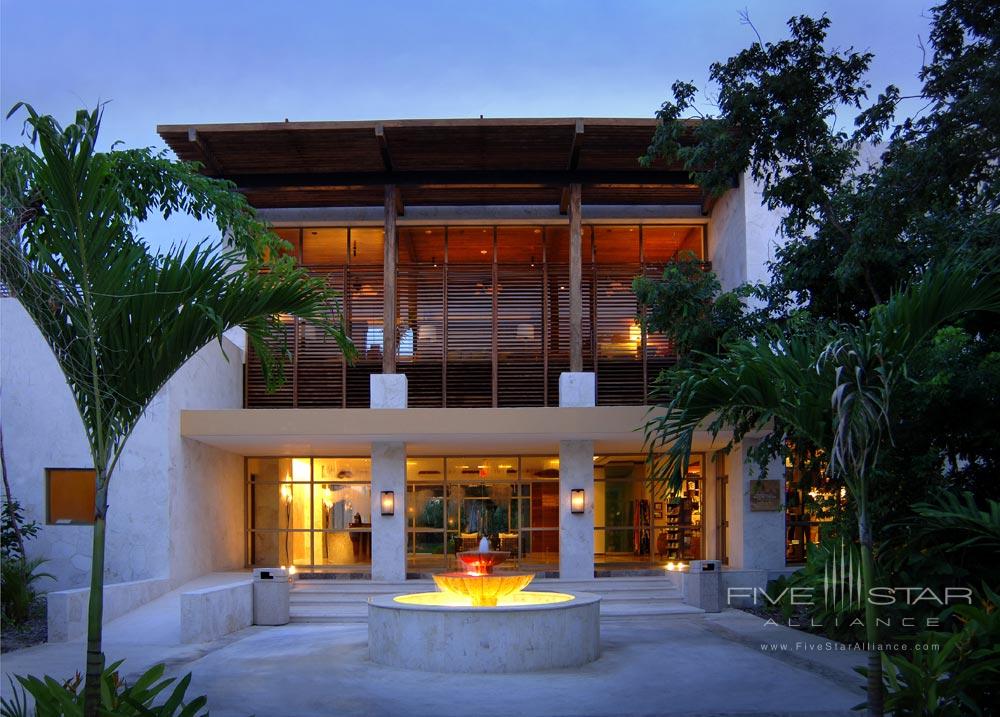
(621, 598)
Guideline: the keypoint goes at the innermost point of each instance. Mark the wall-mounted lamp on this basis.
(388, 502)
(577, 500)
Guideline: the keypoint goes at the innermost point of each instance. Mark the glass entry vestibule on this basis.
(316, 512)
(452, 502)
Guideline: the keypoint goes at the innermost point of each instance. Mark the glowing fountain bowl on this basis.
(478, 584)
(484, 622)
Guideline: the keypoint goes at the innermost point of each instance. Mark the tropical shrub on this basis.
(11, 523)
(832, 611)
(949, 674)
(17, 586)
(117, 696)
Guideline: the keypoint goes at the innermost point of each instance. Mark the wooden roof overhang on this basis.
(436, 162)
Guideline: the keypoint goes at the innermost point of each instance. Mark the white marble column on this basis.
(576, 471)
(388, 474)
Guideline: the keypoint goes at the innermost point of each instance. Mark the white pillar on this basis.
(388, 474)
(389, 531)
(576, 530)
(756, 538)
(576, 472)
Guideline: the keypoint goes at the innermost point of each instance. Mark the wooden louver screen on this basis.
(478, 327)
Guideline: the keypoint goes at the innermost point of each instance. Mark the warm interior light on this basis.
(291, 570)
(286, 493)
(388, 502)
(670, 565)
(301, 469)
(577, 500)
(635, 333)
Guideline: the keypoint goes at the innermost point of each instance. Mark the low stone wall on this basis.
(67, 609)
(210, 613)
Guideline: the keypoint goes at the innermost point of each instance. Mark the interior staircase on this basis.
(621, 598)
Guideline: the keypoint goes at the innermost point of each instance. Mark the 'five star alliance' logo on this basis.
(842, 583)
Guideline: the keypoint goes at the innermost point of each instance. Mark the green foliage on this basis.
(118, 698)
(119, 319)
(958, 676)
(831, 613)
(12, 520)
(687, 304)
(949, 541)
(17, 586)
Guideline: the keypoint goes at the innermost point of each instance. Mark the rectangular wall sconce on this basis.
(577, 500)
(388, 502)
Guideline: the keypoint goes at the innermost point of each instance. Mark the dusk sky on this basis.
(196, 62)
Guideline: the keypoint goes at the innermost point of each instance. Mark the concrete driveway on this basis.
(675, 666)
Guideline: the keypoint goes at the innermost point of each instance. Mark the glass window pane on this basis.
(470, 245)
(324, 247)
(426, 506)
(421, 245)
(340, 506)
(665, 243)
(367, 246)
(348, 470)
(519, 245)
(479, 468)
(557, 245)
(424, 470)
(616, 245)
(290, 235)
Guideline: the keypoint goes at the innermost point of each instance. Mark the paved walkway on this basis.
(655, 666)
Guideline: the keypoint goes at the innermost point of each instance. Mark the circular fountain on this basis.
(484, 621)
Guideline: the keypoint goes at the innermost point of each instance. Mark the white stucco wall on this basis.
(743, 236)
(206, 483)
(175, 506)
(756, 539)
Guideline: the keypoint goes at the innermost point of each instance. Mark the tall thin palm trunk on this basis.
(874, 684)
(95, 609)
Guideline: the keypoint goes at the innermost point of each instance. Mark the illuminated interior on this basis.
(321, 515)
(483, 313)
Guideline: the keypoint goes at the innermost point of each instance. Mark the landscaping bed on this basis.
(33, 631)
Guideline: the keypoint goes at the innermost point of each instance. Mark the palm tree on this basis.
(119, 319)
(830, 388)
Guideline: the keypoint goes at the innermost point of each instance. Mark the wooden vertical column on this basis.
(389, 282)
(575, 281)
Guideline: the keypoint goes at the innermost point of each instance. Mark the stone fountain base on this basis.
(519, 637)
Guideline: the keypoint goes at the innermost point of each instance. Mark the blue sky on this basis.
(197, 62)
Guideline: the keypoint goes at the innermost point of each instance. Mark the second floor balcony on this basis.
(482, 314)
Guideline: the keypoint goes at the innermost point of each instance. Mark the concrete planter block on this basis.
(210, 613)
(67, 609)
(388, 390)
(577, 390)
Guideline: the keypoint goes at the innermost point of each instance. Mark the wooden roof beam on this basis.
(574, 161)
(383, 148)
(211, 163)
(523, 177)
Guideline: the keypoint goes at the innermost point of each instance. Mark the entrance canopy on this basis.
(450, 162)
(426, 431)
